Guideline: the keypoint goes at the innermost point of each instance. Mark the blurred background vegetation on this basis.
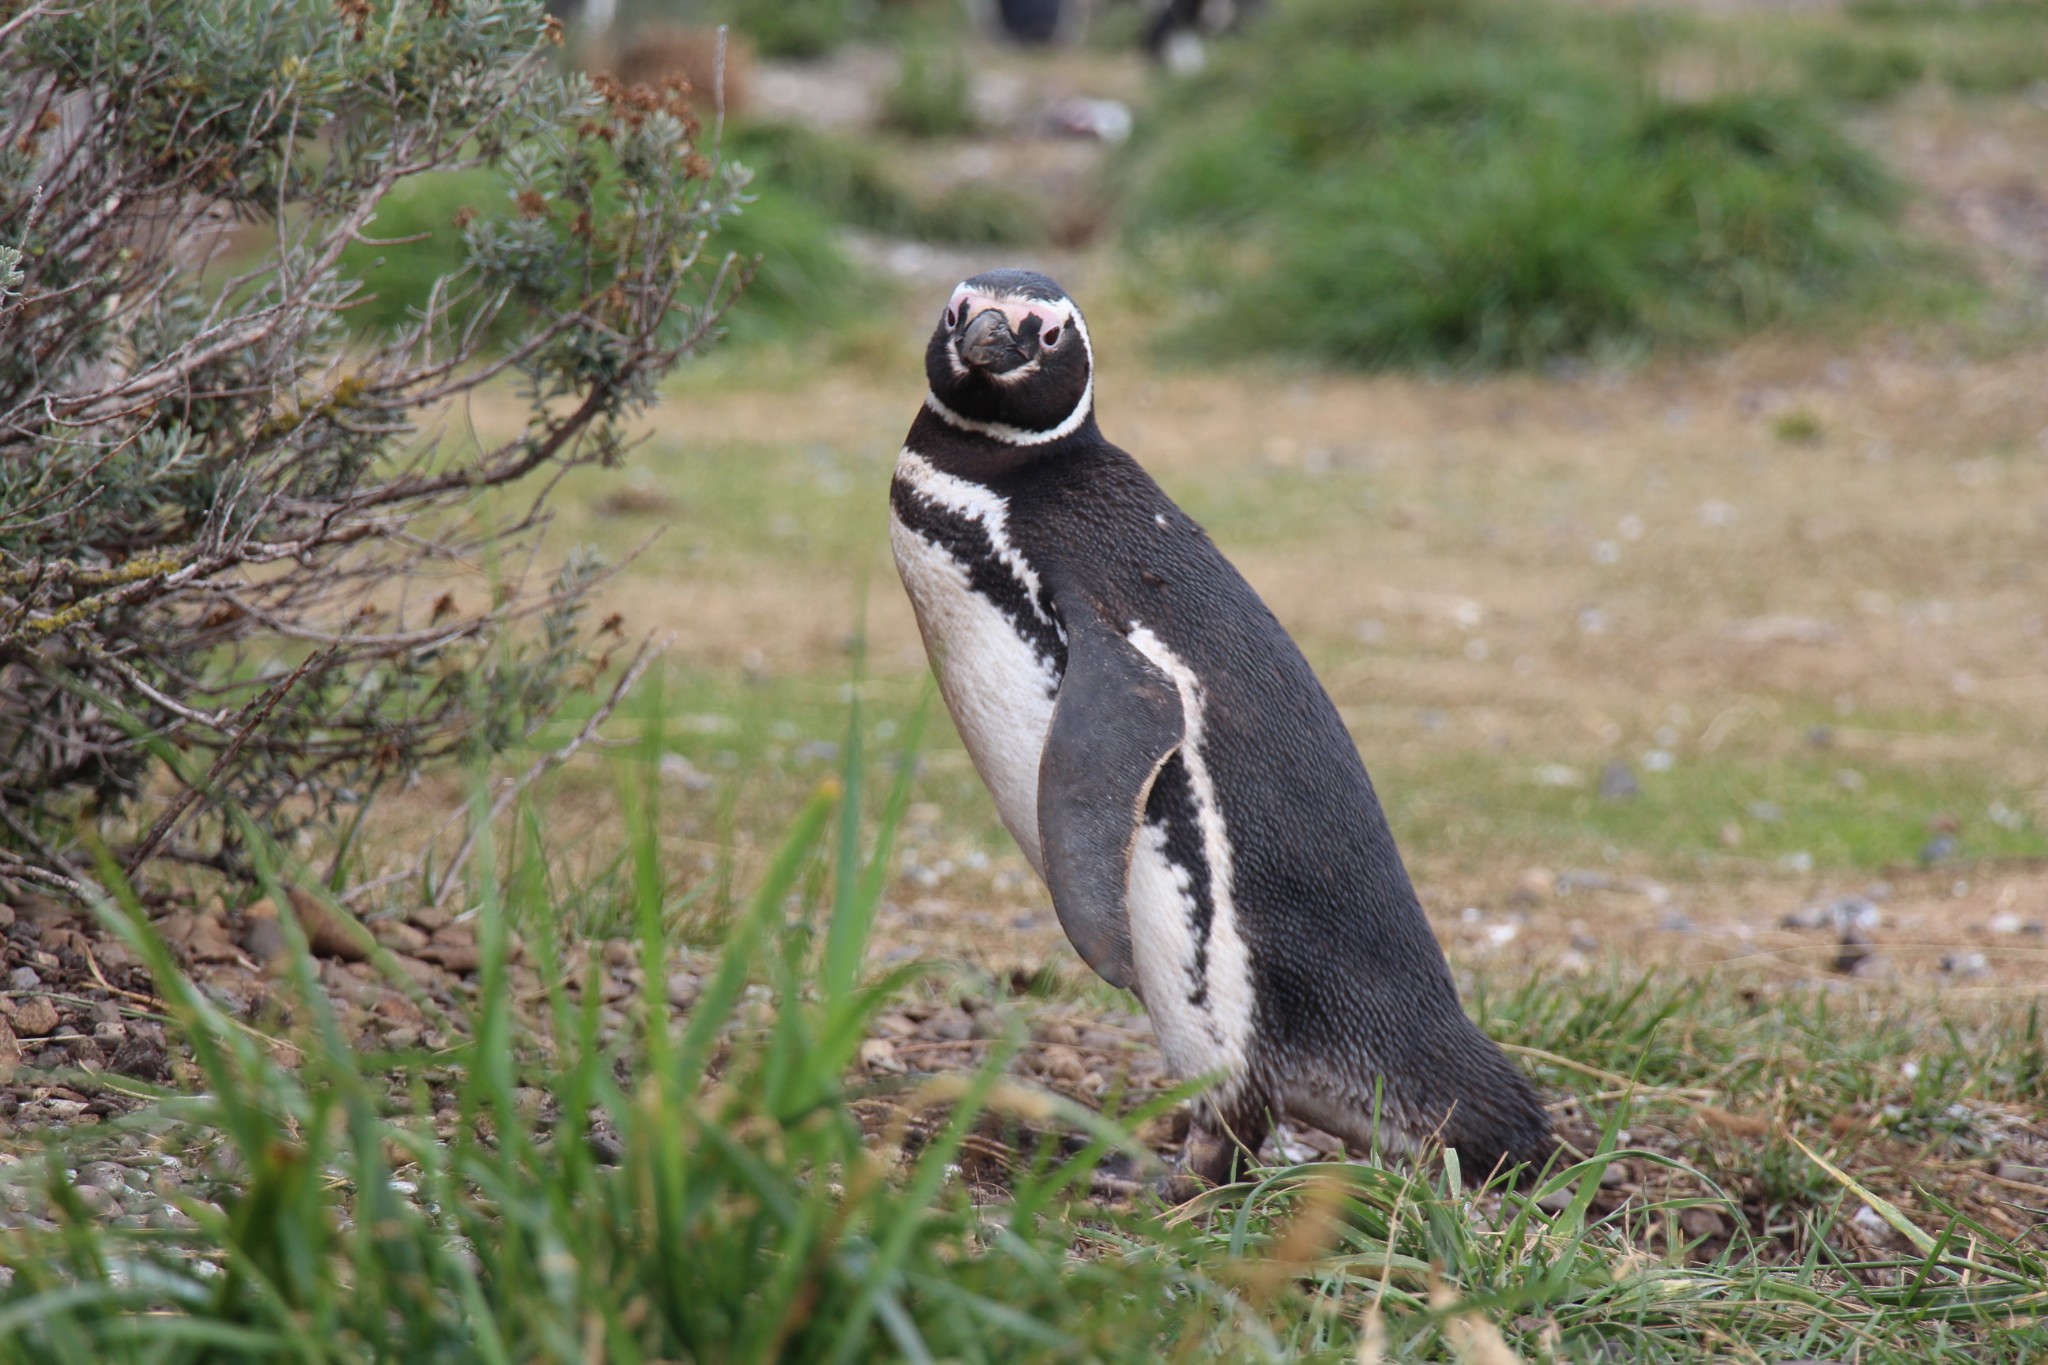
(1676, 563)
(1366, 183)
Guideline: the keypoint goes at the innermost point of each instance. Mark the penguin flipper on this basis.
(1116, 722)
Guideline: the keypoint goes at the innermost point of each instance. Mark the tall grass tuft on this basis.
(1484, 184)
(721, 1187)
(701, 1189)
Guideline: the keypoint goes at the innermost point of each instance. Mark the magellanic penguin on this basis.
(1170, 765)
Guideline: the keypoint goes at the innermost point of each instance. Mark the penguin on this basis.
(1172, 768)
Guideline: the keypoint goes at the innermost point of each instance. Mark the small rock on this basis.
(2013, 1170)
(425, 973)
(400, 1037)
(431, 918)
(948, 1025)
(1676, 922)
(1061, 1063)
(621, 952)
(1854, 951)
(1535, 885)
(394, 1008)
(1618, 782)
(23, 979)
(107, 1175)
(1965, 966)
(683, 989)
(142, 1057)
(109, 1032)
(399, 936)
(878, 1055)
(35, 1017)
(1699, 1223)
(460, 958)
(679, 770)
(331, 931)
(10, 1051)
(1057, 1031)
(1940, 848)
(1099, 119)
(264, 940)
(115, 957)
(101, 1201)
(170, 1218)
(207, 941)
(1613, 1176)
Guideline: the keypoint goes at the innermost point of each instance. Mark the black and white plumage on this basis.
(1169, 763)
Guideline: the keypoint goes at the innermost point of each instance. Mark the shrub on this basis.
(1863, 73)
(801, 279)
(850, 182)
(230, 567)
(792, 28)
(1398, 183)
(930, 96)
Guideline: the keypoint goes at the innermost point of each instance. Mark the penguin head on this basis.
(1010, 359)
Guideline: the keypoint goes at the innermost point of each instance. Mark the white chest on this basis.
(997, 685)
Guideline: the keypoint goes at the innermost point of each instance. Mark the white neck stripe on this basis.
(1017, 436)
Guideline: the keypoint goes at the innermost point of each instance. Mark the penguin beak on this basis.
(987, 344)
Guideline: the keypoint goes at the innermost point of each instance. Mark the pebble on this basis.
(431, 917)
(1847, 915)
(1965, 966)
(101, 1201)
(1702, 1222)
(399, 936)
(35, 1017)
(948, 1025)
(1057, 1031)
(169, 1217)
(1855, 954)
(879, 1055)
(1618, 782)
(23, 979)
(264, 940)
(106, 1175)
(678, 769)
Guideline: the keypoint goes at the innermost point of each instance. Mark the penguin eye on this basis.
(1050, 337)
(949, 315)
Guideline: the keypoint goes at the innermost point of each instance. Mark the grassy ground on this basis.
(1795, 589)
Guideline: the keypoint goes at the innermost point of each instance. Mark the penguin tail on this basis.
(1495, 1120)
